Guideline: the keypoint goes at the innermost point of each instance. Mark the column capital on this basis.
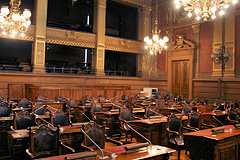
(102, 3)
(196, 28)
(147, 10)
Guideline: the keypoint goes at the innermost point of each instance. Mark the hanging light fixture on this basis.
(12, 22)
(156, 44)
(204, 9)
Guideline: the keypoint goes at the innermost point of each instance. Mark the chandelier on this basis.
(12, 21)
(204, 9)
(156, 44)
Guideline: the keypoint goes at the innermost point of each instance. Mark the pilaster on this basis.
(196, 57)
(146, 68)
(99, 27)
(229, 41)
(38, 52)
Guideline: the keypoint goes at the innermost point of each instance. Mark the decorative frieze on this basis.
(72, 38)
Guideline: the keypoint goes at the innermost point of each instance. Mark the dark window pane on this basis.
(15, 55)
(121, 20)
(67, 57)
(72, 15)
(120, 63)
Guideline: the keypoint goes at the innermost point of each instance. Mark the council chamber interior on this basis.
(119, 79)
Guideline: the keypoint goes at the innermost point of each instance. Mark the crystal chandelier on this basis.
(156, 44)
(204, 9)
(12, 22)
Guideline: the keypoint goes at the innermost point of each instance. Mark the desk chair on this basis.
(60, 99)
(150, 111)
(45, 142)
(41, 99)
(97, 134)
(194, 124)
(187, 109)
(39, 109)
(232, 117)
(60, 119)
(4, 110)
(23, 120)
(96, 107)
(175, 140)
(24, 103)
(71, 103)
(125, 116)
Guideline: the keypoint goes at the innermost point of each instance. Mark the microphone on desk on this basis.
(85, 115)
(140, 135)
(218, 120)
(215, 108)
(103, 157)
(52, 107)
(34, 113)
(156, 112)
(116, 105)
(39, 108)
(42, 119)
(178, 110)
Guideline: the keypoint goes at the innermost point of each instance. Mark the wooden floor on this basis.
(182, 157)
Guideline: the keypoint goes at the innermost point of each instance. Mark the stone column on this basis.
(38, 52)
(99, 27)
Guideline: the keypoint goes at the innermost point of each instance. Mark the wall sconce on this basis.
(220, 56)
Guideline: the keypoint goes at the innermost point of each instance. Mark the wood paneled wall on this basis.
(18, 85)
(74, 91)
(209, 89)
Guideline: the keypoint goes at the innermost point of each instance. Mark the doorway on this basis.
(180, 74)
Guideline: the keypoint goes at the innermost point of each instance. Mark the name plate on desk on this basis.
(218, 130)
(114, 110)
(155, 117)
(127, 148)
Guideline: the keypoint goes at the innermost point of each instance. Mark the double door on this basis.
(180, 75)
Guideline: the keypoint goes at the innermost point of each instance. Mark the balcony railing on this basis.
(68, 70)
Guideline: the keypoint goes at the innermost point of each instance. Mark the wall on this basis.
(13, 84)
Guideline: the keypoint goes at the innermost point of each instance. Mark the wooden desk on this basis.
(157, 152)
(87, 111)
(56, 105)
(152, 129)
(112, 120)
(18, 140)
(5, 123)
(21, 109)
(168, 110)
(223, 146)
(62, 157)
(212, 117)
